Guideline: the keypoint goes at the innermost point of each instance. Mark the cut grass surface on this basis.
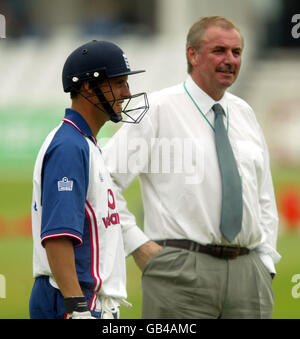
(16, 253)
(16, 266)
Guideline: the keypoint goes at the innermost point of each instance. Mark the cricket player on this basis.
(78, 256)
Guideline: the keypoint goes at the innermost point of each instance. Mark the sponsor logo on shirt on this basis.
(65, 184)
(111, 219)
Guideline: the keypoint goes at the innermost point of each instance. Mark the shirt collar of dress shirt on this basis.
(203, 100)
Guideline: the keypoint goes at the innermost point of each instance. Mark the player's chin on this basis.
(118, 108)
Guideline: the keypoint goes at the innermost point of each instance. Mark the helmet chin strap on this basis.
(107, 106)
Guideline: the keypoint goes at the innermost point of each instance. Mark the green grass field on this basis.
(16, 266)
(16, 254)
(16, 257)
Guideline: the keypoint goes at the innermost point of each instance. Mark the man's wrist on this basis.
(76, 304)
(144, 253)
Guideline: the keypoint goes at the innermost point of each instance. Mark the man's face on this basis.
(217, 64)
(116, 92)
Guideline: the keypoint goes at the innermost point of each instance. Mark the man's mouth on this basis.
(119, 105)
(226, 71)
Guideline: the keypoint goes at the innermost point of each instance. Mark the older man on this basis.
(209, 246)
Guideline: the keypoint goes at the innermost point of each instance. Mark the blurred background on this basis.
(40, 34)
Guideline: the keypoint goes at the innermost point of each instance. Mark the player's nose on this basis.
(126, 91)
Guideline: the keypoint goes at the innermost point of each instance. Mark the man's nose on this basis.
(229, 58)
(126, 92)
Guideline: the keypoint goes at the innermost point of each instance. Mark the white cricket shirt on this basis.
(73, 197)
(173, 151)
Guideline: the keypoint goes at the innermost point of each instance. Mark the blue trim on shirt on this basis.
(79, 121)
(66, 159)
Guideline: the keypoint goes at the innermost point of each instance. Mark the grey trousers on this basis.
(181, 284)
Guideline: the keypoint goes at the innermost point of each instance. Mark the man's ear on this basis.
(88, 91)
(86, 87)
(192, 55)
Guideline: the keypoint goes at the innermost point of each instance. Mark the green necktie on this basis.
(232, 202)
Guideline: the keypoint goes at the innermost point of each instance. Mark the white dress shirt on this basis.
(173, 152)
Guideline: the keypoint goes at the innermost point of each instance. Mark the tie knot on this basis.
(218, 109)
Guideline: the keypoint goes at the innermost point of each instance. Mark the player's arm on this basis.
(60, 253)
(63, 213)
(61, 258)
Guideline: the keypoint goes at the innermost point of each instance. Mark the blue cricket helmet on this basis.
(96, 61)
(100, 57)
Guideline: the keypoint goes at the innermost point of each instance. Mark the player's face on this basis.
(217, 64)
(116, 91)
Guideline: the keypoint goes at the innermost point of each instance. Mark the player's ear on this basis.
(86, 87)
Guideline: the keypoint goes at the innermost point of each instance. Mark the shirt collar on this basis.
(203, 100)
(79, 121)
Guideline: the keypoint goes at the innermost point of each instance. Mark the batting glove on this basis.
(77, 308)
(110, 307)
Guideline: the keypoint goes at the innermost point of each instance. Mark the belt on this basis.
(222, 252)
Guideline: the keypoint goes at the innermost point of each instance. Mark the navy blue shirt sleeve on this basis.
(65, 178)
